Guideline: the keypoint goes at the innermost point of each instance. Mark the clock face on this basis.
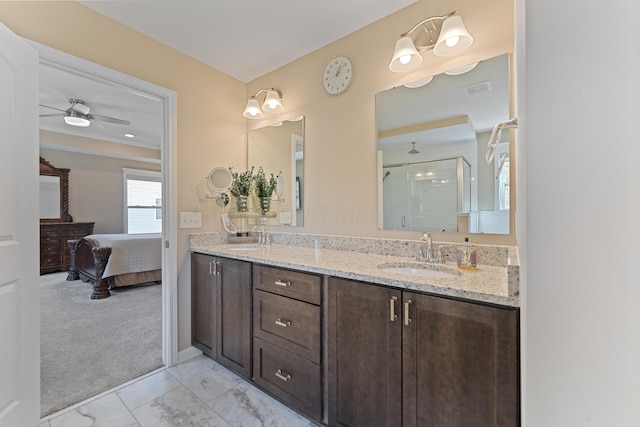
(337, 75)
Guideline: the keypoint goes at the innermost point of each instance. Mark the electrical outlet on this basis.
(285, 217)
(190, 219)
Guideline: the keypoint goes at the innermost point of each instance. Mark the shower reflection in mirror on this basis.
(431, 142)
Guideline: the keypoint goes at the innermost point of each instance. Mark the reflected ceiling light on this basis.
(74, 118)
(419, 83)
(445, 35)
(272, 104)
(129, 135)
(413, 150)
(461, 70)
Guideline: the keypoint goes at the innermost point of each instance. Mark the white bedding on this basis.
(131, 253)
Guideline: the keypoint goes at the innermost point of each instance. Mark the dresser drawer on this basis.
(294, 284)
(288, 323)
(293, 379)
(49, 231)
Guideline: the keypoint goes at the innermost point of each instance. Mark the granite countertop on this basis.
(493, 284)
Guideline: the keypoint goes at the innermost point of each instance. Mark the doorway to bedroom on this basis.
(137, 322)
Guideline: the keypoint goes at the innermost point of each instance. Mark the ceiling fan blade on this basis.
(53, 108)
(51, 115)
(97, 122)
(109, 119)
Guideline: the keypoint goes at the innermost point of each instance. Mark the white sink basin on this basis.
(244, 247)
(419, 270)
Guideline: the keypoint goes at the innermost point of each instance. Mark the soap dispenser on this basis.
(466, 256)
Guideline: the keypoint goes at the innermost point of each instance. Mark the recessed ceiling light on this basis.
(129, 135)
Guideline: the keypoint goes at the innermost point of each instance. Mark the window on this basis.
(143, 201)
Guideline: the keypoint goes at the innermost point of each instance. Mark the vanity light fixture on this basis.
(444, 35)
(272, 104)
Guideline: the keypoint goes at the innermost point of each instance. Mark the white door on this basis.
(19, 234)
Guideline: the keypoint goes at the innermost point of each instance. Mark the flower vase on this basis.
(265, 204)
(242, 203)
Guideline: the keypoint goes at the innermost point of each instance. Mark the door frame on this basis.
(168, 99)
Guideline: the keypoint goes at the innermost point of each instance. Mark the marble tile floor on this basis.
(198, 392)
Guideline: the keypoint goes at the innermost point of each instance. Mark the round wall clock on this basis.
(338, 75)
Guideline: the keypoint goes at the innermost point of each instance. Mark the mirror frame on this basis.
(48, 169)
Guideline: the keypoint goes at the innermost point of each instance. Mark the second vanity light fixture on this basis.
(445, 35)
(272, 104)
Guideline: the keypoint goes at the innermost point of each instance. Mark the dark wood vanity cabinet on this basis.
(221, 310)
(287, 337)
(399, 358)
(54, 250)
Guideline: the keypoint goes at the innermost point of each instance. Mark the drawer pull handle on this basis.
(283, 375)
(282, 283)
(392, 309)
(283, 323)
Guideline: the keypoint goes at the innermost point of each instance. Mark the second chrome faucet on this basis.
(427, 252)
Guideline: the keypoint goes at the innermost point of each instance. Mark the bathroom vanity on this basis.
(347, 334)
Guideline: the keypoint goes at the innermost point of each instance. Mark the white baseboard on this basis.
(188, 353)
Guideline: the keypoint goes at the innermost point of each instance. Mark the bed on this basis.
(111, 261)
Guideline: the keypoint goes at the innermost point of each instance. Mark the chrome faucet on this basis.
(425, 253)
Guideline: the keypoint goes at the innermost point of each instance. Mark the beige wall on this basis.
(340, 131)
(96, 187)
(211, 130)
(340, 167)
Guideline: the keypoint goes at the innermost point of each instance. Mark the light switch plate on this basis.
(190, 219)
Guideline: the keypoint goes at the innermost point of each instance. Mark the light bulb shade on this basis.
(405, 57)
(252, 110)
(461, 70)
(452, 28)
(272, 102)
(76, 119)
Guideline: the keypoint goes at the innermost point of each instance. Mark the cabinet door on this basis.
(364, 362)
(460, 363)
(234, 315)
(203, 300)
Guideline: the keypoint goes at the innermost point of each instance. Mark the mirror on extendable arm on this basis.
(431, 152)
(219, 181)
(279, 149)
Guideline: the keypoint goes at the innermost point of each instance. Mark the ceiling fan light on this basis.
(272, 102)
(454, 37)
(405, 57)
(74, 119)
(252, 110)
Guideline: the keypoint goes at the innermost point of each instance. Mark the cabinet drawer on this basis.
(49, 260)
(49, 232)
(294, 380)
(288, 323)
(50, 248)
(294, 284)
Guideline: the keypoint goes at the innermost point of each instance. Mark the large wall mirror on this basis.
(432, 139)
(54, 193)
(279, 149)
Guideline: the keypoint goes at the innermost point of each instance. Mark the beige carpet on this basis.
(90, 346)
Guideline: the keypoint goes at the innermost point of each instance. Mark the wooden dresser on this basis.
(54, 250)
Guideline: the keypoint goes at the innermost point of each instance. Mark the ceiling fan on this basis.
(78, 115)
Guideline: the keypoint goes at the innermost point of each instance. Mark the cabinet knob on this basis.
(283, 375)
